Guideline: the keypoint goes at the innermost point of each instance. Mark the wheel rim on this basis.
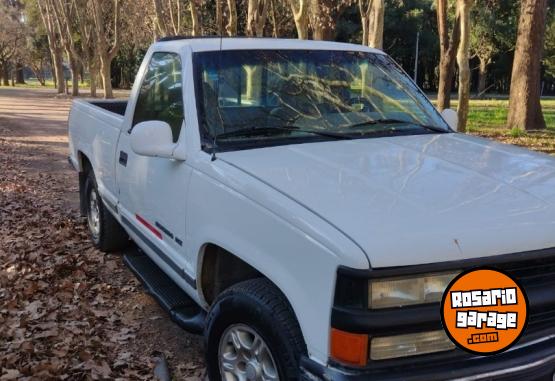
(94, 214)
(244, 356)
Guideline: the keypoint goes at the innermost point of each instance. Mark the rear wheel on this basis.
(106, 233)
(252, 334)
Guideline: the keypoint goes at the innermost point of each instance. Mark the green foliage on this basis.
(549, 54)
(494, 24)
(517, 132)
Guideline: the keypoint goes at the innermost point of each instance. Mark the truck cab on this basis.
(304, 196)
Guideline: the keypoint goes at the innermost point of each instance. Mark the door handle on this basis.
(123, 158)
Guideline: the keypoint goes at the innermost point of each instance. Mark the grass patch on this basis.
(32, 83)
(488, 118)
(492, 113)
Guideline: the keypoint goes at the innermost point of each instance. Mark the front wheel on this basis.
(252, 334)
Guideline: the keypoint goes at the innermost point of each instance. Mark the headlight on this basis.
(412, 344)
(399, 292)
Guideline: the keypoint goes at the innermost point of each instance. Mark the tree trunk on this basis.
(82, 73)
(93, 84)
(93, 74)
(525, 111)
(74, 67)
(257, 12)
(372, 20)
(159, 20)
(232, 23)
(365, 33)
(38, 71)
(19, 77)
(375, 28)
(323, 18)
(463, 61)
(106, 75)
(482, 76)
(219, 18)
(5, 75)
(55, 49)
(300, 14)
(195, 22)
(275, 28)
(107, 44)
(59, 69)
(53, 70)
(447, 60)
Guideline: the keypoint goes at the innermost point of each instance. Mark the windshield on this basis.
(252, 98)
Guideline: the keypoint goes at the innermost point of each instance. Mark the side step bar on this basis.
(183, 310)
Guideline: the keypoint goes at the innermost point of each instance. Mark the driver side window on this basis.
(161, 93)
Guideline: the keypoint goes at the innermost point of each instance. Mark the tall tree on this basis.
(167, 18)
(448, 46)
(463, 58)
(85, 20)
(525, 111)
(324, 15)
(159, 19)
(107, 38)
(195, 20)
(372, 19)
(231, 27)
(12, 34)
(257, 12)
(64, 17)
(46, 12)
(219, 18)
(300, 15)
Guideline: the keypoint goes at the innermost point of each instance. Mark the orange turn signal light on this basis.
(349, 348)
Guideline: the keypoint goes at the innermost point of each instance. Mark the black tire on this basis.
(260, 306)
(110, 236)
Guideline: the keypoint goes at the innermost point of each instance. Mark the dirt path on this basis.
(66, 310)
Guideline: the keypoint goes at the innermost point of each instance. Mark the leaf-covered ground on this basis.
(67, 311)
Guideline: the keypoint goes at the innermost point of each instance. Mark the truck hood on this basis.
(418, 199)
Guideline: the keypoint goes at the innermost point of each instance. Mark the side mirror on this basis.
(153, 138)
(451, 117)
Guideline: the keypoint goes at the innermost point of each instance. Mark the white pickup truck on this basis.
(305, 206)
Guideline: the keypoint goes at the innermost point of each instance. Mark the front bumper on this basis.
(531, 359)
(534, 361)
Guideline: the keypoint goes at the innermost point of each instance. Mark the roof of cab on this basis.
(243, 43)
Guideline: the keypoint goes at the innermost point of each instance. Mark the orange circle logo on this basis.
(484, 311)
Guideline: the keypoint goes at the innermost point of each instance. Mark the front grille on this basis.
(531, 271)
(537, 277)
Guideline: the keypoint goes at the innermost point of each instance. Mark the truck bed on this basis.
(94, 129)
(117, 107)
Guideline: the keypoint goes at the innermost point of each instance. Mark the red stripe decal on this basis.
(149, 226)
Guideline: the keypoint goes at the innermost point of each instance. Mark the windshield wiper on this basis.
(261, 131)
(396, 121)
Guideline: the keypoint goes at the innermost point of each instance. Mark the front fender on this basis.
(279, 238)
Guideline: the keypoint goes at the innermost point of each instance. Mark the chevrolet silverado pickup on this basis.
(305, 206)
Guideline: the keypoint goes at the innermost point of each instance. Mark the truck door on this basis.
(153, 191)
